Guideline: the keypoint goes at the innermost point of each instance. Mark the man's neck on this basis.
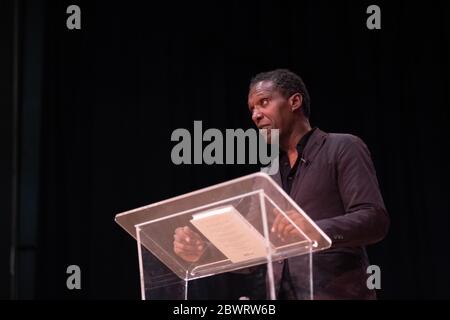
(290, 143)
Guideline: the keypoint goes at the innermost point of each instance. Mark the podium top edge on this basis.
(221, 184)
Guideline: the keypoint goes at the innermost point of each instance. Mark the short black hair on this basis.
(288, 83)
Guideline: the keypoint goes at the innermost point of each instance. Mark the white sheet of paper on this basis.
(231, 233)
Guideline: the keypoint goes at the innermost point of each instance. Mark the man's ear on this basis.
(296, 101)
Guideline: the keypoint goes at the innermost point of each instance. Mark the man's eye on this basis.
(264, 101)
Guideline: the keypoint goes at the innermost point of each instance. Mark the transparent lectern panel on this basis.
(160, 283)
(231, 235)
(232, 226)
(157, 281)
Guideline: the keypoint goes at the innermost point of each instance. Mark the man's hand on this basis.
(188, 244)
(286, 230)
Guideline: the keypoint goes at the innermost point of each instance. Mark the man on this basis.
(330, 176)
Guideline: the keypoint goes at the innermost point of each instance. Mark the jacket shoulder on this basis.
(344, 142)
(344, 138)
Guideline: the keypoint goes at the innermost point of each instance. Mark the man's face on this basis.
(269, 108)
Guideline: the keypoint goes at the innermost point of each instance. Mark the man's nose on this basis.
(257, 115)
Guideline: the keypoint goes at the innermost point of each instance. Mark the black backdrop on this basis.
(98, 106)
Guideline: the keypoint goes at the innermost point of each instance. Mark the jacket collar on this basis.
(315, 142)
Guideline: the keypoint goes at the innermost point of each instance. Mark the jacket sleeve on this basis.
(366, 220)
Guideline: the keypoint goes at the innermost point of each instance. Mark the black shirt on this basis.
(288, 173)
(287, 290)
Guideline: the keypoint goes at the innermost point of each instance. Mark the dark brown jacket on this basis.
(338, 188)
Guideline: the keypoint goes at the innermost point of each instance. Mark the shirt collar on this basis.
(301, 145)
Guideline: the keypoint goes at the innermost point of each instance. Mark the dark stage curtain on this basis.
(112, 93)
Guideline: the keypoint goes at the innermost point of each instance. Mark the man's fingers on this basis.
(275, 211)
(298, 222)
(288, 229)
(276, 222)
(190, 233)
(185, 234)
(278, 217)
(183, 247)
(187, 244)
(279, 223)
(283, 227)
(296, 219)
(283, 223)
(180, 233)
(187, 256)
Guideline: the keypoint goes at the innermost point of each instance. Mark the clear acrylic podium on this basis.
(234, 220)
